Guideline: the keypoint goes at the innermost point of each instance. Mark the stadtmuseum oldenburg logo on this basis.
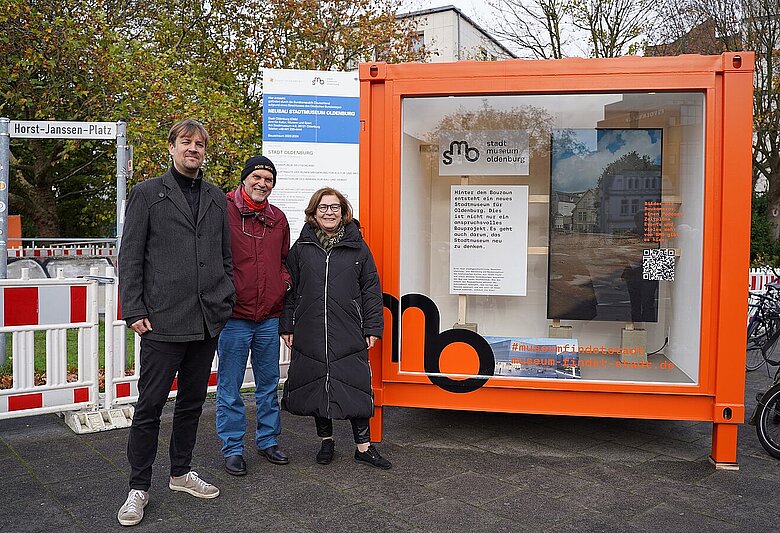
(483, 153)
(462, 149)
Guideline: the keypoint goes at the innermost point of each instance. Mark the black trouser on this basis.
(359, 428)
(160, 361)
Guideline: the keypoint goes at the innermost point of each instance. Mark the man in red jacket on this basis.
(260, 240)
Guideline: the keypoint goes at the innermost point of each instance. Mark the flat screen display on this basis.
(604, 182)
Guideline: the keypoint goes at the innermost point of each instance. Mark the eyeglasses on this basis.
(323, 208)
(261, 219)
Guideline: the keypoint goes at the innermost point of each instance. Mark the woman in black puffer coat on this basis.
(332, 315)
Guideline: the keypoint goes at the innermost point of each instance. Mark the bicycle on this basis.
(766, 417)
(763, 322)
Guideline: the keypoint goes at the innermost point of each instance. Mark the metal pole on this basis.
(122, 172)
(5, 160)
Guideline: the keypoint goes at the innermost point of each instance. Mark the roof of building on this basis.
(462, 15)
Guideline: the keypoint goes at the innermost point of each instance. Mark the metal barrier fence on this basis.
(88, 410)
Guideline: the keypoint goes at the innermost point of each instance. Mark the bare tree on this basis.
(714, 26)
(761, 33)
(544, 29)
(534, 27)
(614, 27)
(695, 26)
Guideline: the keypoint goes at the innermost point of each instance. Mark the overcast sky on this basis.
(475, 10)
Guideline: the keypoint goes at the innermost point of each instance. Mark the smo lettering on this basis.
(460, 148)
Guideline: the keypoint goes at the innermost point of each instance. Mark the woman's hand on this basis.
(370, 340)
(288, 339)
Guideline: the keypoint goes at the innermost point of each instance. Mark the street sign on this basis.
(59, 129)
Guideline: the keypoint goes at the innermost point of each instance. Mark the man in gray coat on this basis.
(176, 291)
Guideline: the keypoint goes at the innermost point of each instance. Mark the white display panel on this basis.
(489, 236)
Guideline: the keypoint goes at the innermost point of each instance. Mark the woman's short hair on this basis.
(316, 198)
(187, 128)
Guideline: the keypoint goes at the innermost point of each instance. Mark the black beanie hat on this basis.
(258, 162)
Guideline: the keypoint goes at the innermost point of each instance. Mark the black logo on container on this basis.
(317, 80)
(460, 148)
(436, 342)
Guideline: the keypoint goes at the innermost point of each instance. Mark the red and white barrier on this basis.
(43, 306)
(53, 305)
(121, 388)
(758, 279)
(62, 251)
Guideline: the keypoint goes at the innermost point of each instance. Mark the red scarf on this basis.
(251, 204)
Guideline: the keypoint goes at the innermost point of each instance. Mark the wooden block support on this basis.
(556, 331)
(634, 338)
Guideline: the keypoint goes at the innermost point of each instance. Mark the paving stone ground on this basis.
(452, 471)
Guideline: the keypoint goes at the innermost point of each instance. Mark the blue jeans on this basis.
(235, 342)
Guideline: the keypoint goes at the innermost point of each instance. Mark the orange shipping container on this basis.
(562, 237)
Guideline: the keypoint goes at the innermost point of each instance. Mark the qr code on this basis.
(658, 264)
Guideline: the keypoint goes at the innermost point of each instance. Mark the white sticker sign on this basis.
(489, 239)
(483, 153)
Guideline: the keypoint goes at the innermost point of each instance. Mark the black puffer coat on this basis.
(335, 302)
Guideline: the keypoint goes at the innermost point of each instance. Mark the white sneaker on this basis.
(132, 512)
(192, 484)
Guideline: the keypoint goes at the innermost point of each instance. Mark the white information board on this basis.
(489, 239)
(61, 129)
(311, 127)
(483, 153)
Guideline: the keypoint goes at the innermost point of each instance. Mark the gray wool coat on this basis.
(174, 270)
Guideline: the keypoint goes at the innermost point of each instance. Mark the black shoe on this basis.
(325, 455)
(273, 454)
(371, 457)
(235, 465)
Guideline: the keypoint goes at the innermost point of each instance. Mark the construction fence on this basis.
(55, 306)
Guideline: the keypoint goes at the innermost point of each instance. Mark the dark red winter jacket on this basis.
(259, 242)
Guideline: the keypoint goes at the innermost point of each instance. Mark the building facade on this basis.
(449, 35)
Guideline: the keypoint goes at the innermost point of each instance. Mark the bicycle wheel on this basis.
(754, 328)
(763, 333)
(759, 330)
(754, 359)
(768, 421)
(770, 344)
